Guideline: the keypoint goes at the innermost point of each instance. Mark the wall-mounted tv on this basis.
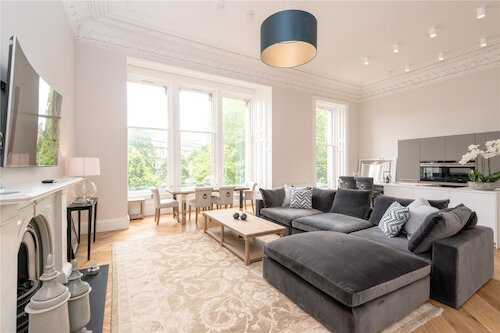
(30, 121)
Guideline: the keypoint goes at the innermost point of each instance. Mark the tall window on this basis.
(330, 143)
(147, 136)
(236, 137)
(197, 137)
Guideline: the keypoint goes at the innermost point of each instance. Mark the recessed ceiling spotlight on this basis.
(440, 56)
(407, 68)
(432, 33)
(366, 61)
(250, 13)
(395, 48)
(221, 3)
(481, 12)
(482, 42)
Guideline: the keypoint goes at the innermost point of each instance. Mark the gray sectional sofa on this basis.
(335, 265)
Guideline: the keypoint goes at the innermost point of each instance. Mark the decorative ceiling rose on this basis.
(288, 38)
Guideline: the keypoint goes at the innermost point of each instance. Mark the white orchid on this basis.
(474, 152)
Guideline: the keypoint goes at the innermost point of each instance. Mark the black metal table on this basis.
(91, 206)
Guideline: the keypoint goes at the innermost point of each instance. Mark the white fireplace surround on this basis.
(46, 203)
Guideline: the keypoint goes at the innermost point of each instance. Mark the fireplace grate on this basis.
(25, 290)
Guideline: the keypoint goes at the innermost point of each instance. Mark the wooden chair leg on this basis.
(245, 204)
(197, 216)
(157, 216)
(189, 212)
(253, 206)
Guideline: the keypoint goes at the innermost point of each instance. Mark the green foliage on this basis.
(321, 147)
(46, 149)
(476, 176)
(143, 171)
(234, 141)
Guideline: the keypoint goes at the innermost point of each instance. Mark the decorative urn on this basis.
(78, 304)
(48, 308)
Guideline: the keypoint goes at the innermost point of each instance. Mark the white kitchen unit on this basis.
(486, 204)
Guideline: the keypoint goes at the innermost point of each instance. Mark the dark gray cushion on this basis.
(439, 226)
(352, 270)
(382, 202)
(331, 222)
(323, 199)
(399, 242)
(274, 197)
(352, 202)
(285, 215)
(471, 222)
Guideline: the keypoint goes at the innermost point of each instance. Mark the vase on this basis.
(483, 186)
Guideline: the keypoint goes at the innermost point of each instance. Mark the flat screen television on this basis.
(31, 117)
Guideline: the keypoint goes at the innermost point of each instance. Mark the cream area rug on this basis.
(188, 283)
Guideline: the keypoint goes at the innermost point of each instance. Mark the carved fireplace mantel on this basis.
(46, 205)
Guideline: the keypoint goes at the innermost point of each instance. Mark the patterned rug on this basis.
(188, 283)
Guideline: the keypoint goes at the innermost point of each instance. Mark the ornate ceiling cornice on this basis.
(93, 23)
(481, 59)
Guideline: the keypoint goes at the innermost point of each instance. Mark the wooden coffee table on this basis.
(239, 236)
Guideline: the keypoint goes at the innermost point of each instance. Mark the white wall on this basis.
(467, 104)
(49, 44)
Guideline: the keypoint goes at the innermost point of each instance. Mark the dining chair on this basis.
(225, 198)
(202, 200)
(165, 203)
(250, 195)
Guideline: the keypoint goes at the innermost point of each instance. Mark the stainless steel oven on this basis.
(445, 172)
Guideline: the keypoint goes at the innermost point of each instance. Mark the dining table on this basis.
(183, 192)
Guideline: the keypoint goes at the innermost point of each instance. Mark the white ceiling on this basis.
(348, 31)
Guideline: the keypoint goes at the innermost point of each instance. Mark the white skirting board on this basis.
(104, 224)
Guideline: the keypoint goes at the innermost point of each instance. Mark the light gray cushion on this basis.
(352, 270)
(439, 226)
(286, 215)
(419, 210)
(331, 222)
(301, 198)
(288, 195)
(394, 219)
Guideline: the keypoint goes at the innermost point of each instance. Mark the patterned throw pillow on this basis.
(394, 218)
(301, 198)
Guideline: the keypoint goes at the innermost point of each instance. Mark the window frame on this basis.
(338, 147)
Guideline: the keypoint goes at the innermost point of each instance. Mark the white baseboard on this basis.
(108, 224)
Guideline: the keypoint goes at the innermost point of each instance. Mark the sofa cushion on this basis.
(394, 219)
(301, 198)
(323, 199)
(374, 233)
(439, 226)
(330, 222)
(285, 215)
(350, 269)
(288, 195)
(274, 197)
(419, 210)
(352, 202)
(382, 202)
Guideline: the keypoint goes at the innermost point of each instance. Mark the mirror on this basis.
(379, 169)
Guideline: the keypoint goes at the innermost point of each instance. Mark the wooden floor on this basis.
(479, 314)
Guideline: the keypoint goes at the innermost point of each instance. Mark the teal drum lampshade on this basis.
(288, 38)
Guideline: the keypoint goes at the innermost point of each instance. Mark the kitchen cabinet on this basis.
(456, 146)
(432, 149)
(408, 164)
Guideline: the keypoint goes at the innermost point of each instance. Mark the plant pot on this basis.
(483, 186)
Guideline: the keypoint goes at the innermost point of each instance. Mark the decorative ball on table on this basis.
(243, 216)
(236, 216)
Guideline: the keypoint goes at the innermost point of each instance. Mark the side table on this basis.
(91, 207)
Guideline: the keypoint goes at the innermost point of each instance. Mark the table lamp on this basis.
(83, 167)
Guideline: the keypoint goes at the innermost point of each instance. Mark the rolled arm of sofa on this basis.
(461, 264)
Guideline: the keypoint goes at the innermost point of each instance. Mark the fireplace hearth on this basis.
(29, 269)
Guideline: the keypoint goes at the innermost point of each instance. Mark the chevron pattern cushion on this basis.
(301, 198)
(394, 218)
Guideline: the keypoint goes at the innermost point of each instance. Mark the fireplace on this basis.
(32, 225)
(29, 268)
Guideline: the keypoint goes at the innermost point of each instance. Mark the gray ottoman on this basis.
(347, 283)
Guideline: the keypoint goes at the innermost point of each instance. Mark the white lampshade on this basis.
(83, 166)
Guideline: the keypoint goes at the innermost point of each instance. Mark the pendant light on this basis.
(288, 38)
